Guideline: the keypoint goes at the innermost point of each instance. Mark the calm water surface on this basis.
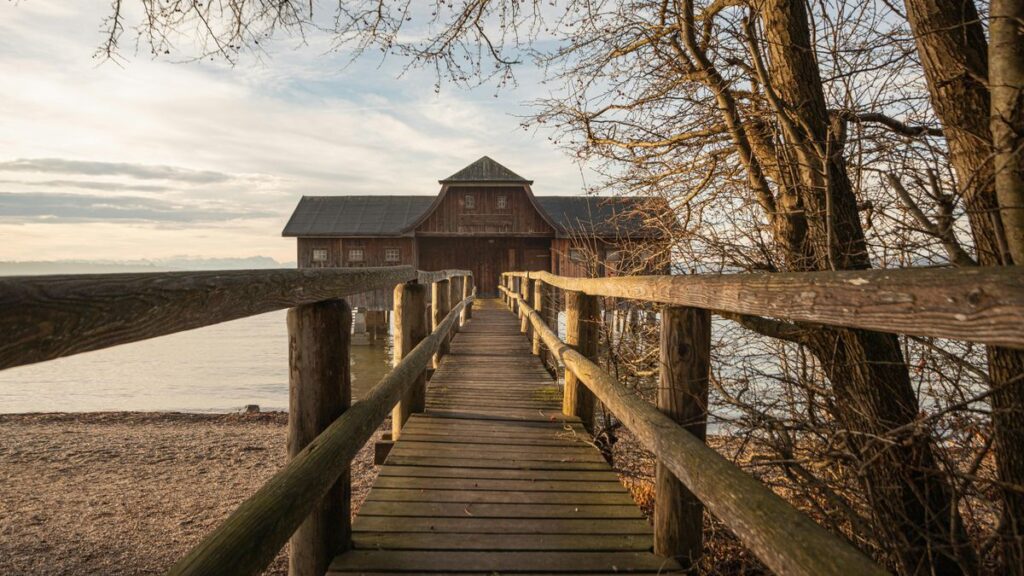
(215, 369)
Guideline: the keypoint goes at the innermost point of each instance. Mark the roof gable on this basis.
(485, 170)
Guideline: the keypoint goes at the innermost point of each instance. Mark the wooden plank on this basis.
(501, 525)
(497, 484)
(520, 542)
(320, 390)
(491, 510)
(47, 317)
(605, 475)
(504, 562)
(382, 494)
(474, 464)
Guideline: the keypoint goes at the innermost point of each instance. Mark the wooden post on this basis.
(467, 291)
(440, 303)
(454, 294)
(320, 390)
(526, 293)
(683, 396)
(538, 305)
(581, 315)
(410, 329)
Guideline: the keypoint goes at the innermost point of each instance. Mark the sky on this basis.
(149, 159)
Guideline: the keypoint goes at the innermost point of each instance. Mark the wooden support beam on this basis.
(581, 334)
(683, 396)
(456, 292)
(440, 304)
(320, 390)
(538, 305)
(468, 289)
(410, 328)
(526, 293)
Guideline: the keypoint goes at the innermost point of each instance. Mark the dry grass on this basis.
(130, 493)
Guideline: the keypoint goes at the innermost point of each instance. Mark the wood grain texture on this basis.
(489, 477)
(320, 390)
(982, 304)
(247, 541)
(410, 329)
(581, 317)
(684, 368)
(440, 303)
(786, 540)
(47, 317)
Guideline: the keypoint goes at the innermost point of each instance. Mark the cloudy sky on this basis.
(147, 159)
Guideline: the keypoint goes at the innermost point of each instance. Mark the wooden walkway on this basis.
(493, 479)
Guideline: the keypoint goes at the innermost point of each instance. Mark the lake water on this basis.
(219, 368)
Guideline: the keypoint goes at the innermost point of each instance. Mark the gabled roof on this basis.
(596, 215)
(485, 170)
(336, 216)
(340, 216)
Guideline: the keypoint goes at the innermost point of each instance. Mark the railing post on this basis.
(410, 329)
(456, 291)
(320, 390)
(440, 304)
(538, 306)
(581, 315)
(467, 291)
(526, 294)
(683, 396)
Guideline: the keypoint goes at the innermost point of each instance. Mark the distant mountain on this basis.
(35, 268)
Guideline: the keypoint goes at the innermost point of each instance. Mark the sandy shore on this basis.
(130, 493)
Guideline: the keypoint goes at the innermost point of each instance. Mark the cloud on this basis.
(90, 185)
(140, 171)
(16, 207)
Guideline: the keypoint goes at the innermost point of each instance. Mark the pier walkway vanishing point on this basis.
(493, 478)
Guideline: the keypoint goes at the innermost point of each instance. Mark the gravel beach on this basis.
(130, 493)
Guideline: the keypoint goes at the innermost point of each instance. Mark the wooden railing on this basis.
(983, 305)
(47, 317)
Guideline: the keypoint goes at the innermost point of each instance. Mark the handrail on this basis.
(983, 304)
(249, 539)
(782, 537)
(47, 317)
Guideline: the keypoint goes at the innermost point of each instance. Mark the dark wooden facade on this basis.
(485, 219)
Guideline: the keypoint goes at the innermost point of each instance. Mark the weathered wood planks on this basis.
(493, 478)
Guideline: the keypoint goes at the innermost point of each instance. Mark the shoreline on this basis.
(132, 492)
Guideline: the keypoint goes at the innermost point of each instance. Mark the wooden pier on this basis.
(492, 470)
(493, 478)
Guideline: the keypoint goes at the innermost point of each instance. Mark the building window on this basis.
(392, 255)
(319, 254)
(576, 255)
(502, 202)
(355, 254)
(470, 202)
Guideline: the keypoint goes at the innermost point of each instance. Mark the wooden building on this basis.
(485, 219)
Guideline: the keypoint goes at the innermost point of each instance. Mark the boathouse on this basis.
(485, 218)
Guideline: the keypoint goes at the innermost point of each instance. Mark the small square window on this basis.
(502, 202)
(470, 202)
(319, 255)
(355, 255)
(392, 255)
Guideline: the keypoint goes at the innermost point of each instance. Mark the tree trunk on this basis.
(953, 52)
(912, 504)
